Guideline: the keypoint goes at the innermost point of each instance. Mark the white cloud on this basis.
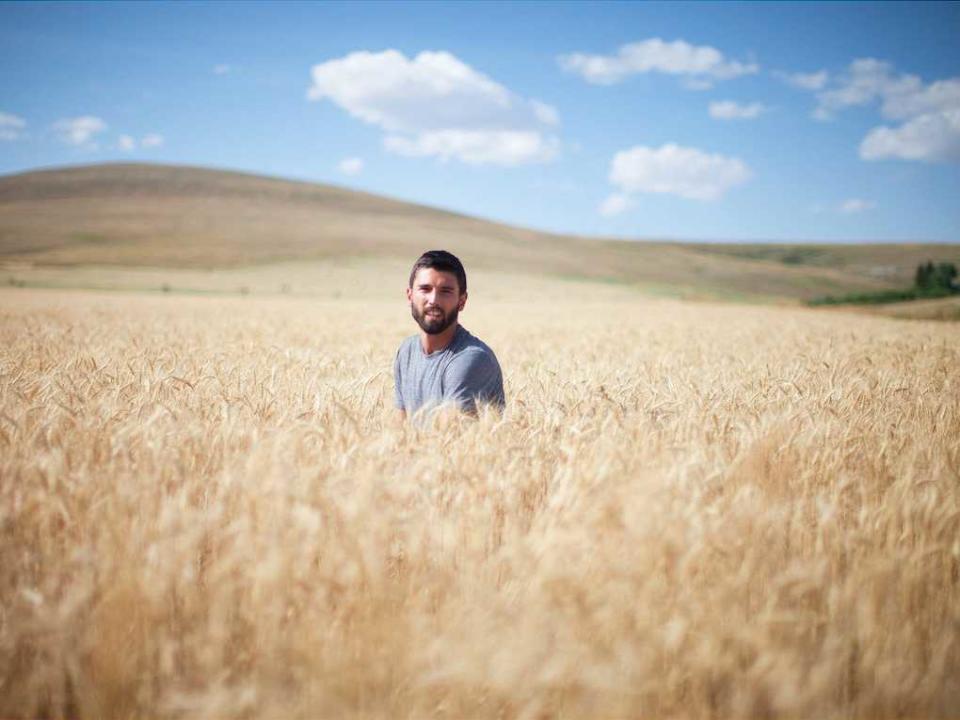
(676, 170)
(929, 114)
(931, 137)
(351, 166)
(433, 91)
(476, 147)
(704, 63)
(909, 98)
(615, 204)
(902, 96)
(856, 205)
(730, 110)
(222, 69)
(151, 140)
(805, 81)
(434, 104)
(865, 80)
(79, 130)
(11, 126)
(126, 143)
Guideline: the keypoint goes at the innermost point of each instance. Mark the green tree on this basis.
(944, 276)
(935, 277)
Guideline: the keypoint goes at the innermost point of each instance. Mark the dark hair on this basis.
(444, 262)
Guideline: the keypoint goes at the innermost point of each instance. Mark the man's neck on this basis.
(433, 343)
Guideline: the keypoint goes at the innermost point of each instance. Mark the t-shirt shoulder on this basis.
(471, 342)
(407, 346)
(473, 357)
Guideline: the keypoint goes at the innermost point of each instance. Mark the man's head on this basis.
(437, 291)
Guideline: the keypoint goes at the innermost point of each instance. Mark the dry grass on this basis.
(947, 308)
(688, 511)
(892, 263)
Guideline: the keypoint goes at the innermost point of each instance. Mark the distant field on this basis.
(348, 277)
(384, 279)
(181, 218)
(942, 309)
(688, 510)
(888, 262)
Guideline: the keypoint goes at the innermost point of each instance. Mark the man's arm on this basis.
(474, 376)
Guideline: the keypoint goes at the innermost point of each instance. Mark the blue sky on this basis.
(716, 121)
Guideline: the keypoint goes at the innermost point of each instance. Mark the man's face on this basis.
(435, 300)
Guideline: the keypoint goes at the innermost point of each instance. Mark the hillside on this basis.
(135, 215)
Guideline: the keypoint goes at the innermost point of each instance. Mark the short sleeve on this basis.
(474, 377)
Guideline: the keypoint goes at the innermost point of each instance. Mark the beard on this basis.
(434, 324)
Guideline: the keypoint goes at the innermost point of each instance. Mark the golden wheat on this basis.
(687, 511)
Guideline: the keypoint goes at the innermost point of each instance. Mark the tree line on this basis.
(929, 281)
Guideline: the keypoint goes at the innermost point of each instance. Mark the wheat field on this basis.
(208, 510)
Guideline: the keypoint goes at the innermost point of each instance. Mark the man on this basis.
(443, 363)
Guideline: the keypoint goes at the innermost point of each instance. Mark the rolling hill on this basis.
(138, 215)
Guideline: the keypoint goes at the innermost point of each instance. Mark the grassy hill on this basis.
(893, 262)
(137, 215)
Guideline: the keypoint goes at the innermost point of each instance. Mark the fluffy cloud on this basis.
(476, 147)
(221, 69)
(701, 63)
(126, 143)
(902, 96)
(805, 81)
(11, 126)
(79, 130)
(436, 105)
(729, 110)
(929, 114)
(350, 166)
(931, 137)
(151, 140)
(864, 81)
(675, 170)
(911, 98)
(856, 205)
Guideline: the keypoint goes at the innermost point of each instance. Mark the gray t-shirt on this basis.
(465, 372)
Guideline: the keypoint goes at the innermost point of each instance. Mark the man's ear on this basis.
(463, 301)
(409, 294)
